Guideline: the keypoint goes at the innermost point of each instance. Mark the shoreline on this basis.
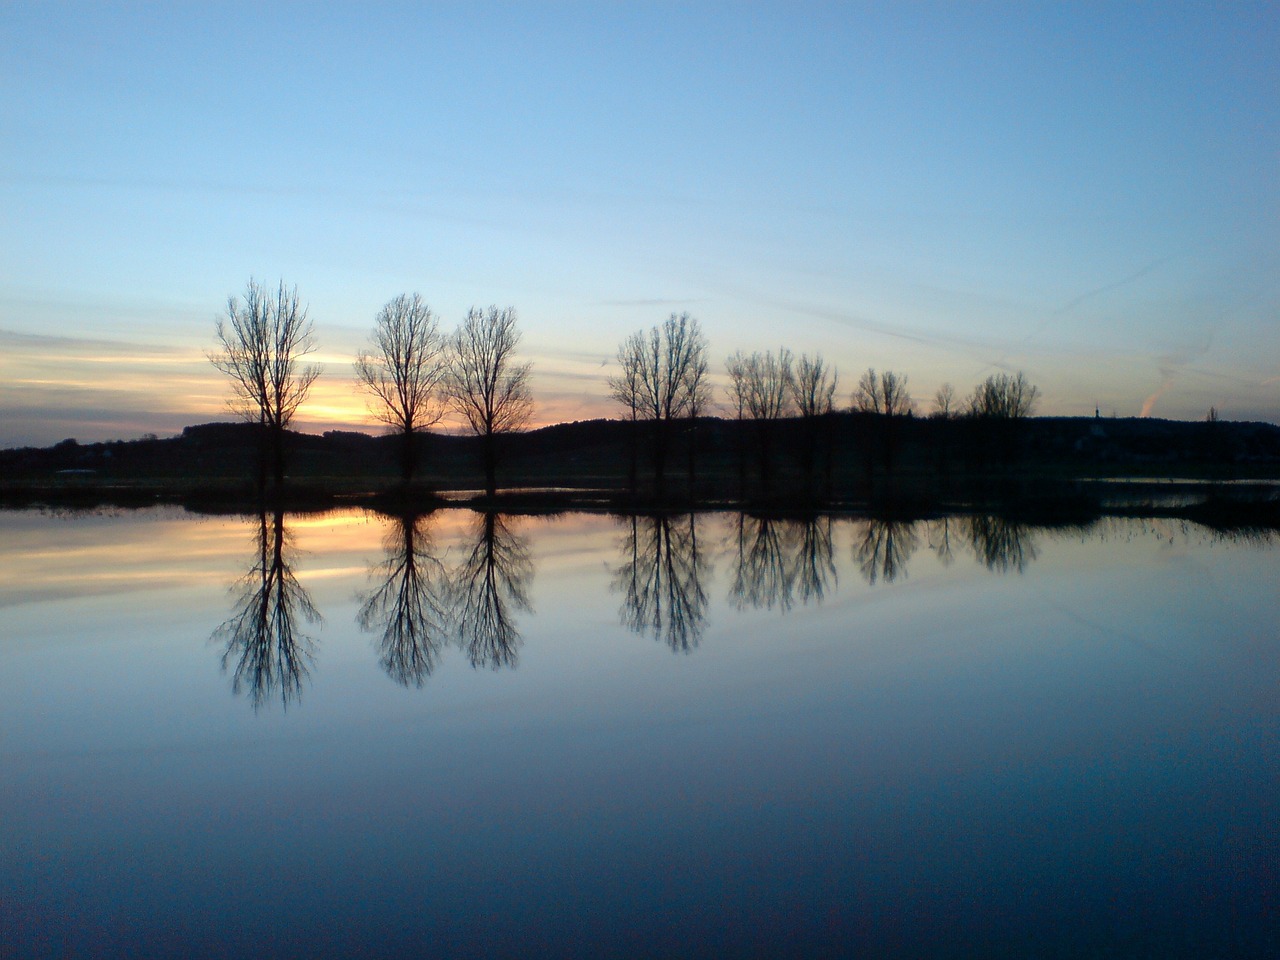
(1230, 503)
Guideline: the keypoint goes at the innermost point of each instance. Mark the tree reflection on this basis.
(410, 607)
(262, 640)
(780, 559)
(814, 565)
(1002, 544)
(884, 548)
(492, 580)
(939, 536)
(661, 580)
(762, 578)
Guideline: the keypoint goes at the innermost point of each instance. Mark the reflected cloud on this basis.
(661, 577)
(489, 585)
(410, 606)
(263, 646)
(884, 547)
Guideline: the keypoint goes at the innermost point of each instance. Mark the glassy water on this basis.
(470, 735)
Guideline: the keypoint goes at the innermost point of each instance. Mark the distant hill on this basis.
(600, 451)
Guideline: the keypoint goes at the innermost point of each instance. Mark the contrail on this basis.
(1136, 275)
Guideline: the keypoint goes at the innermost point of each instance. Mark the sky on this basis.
(1088, 193)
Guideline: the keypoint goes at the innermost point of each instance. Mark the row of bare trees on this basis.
(662, 387)
(412, 371)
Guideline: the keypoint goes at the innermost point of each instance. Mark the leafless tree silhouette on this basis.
(944, 402)
(410, 607)
(261, 342)
(884, 548)
(487, 587)
(813, 390)
(261, 638)
(404, 371)
(885, 394)
(1004, 396)
(761, 388)
(885, 397)
(1001, 544)
(485, 383)
(661, 579)
(662, 379)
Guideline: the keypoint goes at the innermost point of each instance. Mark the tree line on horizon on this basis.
(413, 373)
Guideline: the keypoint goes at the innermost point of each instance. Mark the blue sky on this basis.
(1085, 192)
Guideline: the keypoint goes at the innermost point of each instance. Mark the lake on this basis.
(584, 735)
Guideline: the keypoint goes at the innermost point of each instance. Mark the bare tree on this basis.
(663, 378)
(813, 386)
(885, 394)
(485, 383)
(1004, 396)
(813, 390)
(261, 342)
(761, 384)
(404, 370)
(760, 388)
(944, 402)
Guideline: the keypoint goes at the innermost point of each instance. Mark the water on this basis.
(596, 736)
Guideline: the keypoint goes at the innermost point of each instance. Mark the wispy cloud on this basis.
(1109, 287)
(89, 347)
(650, 302)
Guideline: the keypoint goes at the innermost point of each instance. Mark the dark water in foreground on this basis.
(592, 736)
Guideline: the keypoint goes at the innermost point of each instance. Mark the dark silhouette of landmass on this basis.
(1050, 464)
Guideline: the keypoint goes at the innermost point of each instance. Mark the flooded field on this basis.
(468, 734)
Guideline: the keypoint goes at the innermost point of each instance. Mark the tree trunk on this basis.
(490, 465)
(407, 455)
(659, 457)
(277, 452)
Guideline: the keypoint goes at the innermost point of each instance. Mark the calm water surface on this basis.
(461, 735)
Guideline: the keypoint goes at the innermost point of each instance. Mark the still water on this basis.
(714, 735)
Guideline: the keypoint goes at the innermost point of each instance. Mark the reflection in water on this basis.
(411, 606)
(1003, 545)
(884, 548)
(661, 580)
(938, 534)
(261, 636)
(776, 559)
(815, 565)
(493, 578)
(761, 575)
